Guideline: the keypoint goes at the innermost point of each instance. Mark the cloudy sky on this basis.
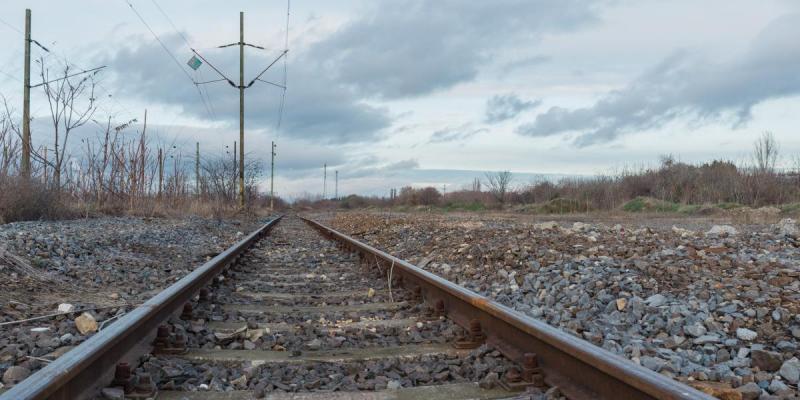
(392, 92)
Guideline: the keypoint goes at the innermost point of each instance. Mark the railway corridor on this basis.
(300, 318)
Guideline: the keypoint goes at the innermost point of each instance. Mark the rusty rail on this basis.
(580, 369)
(78, 373)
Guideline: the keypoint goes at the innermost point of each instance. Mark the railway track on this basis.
(290, 313)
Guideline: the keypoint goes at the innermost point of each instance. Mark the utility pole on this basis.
(160, 172)
(241, 86)
(197, 169)
(324, 180)
(336, 192)
(241, 109)
(272, 179)
(26, 100)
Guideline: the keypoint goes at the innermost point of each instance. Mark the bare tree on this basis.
(765, 153)
(9, 141)
(476, 185)
(65, 95)
(499, 183)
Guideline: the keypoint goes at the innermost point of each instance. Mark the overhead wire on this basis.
(186, 40)
(47, 54)
(12, 27)
(172, 56)
(285, 68)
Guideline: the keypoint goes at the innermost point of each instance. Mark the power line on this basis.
(172, 56)
(285, 67)
(63, 58)
(12, 27)
(203, 91)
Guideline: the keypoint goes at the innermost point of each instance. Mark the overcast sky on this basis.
(392, 92)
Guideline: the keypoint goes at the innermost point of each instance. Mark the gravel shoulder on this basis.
(713, 305)
(104, 265)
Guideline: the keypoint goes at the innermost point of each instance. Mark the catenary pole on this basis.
(26, 100)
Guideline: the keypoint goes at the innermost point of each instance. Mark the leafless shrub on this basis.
(765, 153)
(499, 184)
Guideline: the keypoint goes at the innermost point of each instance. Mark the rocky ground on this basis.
(713, 305)
(104, 266)
(296, 268)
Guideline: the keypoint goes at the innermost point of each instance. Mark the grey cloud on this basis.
(525, 62)
(316, 108)
(391, 169)
(415, 47)
(453, 134)
(687, 85)
(500, 108)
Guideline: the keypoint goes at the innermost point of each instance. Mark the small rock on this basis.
(113, 393)
(787, 227)
(86, 323)
(240, 382)
(765, 360)
(314, 344)
(695, 330)
(66, 307)
(790, 370)
(15, 374)
(621, 303)
(777, 387)
(656, 300)
(489, 381)
(719, 230)
(719, 390)
(745, 334)
(750, 391)
(393, 385)
(370, 293)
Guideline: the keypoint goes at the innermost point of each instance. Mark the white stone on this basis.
(745, 334)
(393, 385)
(66, 307)
(722, 230)
(787, 226)
(790, 370)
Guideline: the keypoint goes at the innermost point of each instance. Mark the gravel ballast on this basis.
(703, 304)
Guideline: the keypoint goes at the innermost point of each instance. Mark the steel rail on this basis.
(81, 371)
(580, 369)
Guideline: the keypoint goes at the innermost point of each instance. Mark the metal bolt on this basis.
(440, 307)
(475, 327)
(513, 375)
(187, 313)
(145, 384)
(162, 337)
(122, 377)
(180, 340)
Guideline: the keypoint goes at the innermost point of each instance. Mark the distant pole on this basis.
(160, 172)
(241, 109)
(197, 169)
(235, 168)
(272, 179)
(444, 190)
(336, 192)
(324, 180)
(26, 100)
(45, 166)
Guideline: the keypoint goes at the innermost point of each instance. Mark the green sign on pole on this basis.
(194, 63)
